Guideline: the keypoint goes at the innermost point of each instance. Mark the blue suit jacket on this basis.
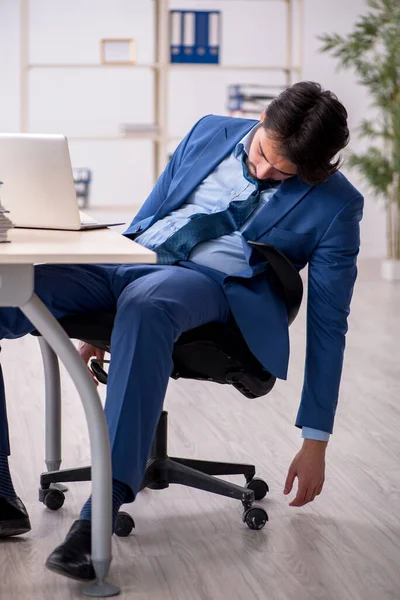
(318, 225)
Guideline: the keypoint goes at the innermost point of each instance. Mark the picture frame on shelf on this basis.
(118, 51)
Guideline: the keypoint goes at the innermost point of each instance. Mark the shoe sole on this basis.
(14, 527)
(60, 571)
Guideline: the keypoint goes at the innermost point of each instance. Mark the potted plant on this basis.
(373, 50)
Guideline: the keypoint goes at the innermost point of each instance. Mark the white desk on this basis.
(17, 259)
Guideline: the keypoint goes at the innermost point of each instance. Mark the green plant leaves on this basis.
(372, 49)
(375, 167)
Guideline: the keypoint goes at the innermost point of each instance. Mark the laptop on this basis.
(38, 185)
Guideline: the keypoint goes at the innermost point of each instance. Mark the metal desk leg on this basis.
(53, 406)
(52, 331)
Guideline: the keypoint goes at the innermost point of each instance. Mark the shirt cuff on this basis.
(315, 434)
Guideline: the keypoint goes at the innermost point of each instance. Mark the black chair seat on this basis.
(218, 352)
(212, 352)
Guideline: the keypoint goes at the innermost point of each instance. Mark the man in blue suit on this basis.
(229, 181)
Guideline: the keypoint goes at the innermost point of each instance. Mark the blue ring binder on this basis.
(203, 49)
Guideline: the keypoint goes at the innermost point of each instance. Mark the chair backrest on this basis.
(290, 285)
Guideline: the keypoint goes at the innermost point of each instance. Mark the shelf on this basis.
(131, 208)
(167, 66)
(172, 66)
(90, 66)
(103, 138)
(284, 1)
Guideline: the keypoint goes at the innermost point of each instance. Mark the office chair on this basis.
(212, 352)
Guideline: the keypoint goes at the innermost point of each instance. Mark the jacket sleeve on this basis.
(160, 190)
(331, 278)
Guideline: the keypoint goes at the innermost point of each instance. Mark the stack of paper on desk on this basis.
(5, 222)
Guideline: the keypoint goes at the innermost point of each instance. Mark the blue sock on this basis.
(6, 486)
(119, 494)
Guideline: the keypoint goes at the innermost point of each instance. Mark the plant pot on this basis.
(390, 270)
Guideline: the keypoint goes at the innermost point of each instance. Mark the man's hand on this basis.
(309, 467)
(87, 351)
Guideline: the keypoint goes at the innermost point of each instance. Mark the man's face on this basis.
(265, 161)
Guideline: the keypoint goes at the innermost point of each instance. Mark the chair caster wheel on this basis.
(53, 499)
(124, 524)
(255, 517)
(259, 487)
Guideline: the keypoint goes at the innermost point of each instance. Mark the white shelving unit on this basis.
(159, 134)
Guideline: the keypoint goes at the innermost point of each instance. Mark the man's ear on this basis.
(264, 112)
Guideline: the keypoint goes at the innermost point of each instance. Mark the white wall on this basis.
(94, 102)
(9, 66)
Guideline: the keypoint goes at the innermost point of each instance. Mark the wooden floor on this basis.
(190, 545)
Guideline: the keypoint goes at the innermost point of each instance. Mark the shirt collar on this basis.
(245, 142)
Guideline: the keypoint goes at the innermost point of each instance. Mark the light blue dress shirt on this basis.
(224, 184)
(225, 254)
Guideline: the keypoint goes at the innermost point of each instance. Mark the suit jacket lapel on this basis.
(289, 193)
(189, 177)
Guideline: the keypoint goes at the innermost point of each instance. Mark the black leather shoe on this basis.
(14, 519)
(73, 557)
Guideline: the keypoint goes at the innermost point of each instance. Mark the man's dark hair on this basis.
(309, 125)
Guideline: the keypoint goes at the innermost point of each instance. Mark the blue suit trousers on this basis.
(154, 304)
